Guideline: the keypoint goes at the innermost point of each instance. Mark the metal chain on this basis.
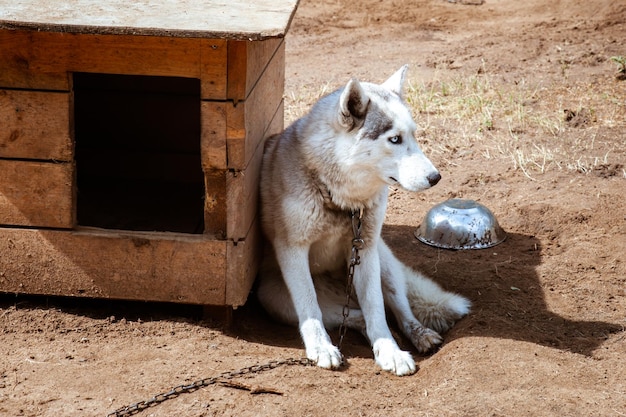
(357, 244)
(224, 377)
(355, 259)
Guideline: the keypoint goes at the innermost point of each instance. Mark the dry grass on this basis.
(538, 128)
(298, 103)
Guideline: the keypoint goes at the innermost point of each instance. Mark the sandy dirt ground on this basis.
(546, 335)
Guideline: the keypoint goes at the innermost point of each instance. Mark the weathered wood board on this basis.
(35, 125)
(128, 265)
(36, 194)
(247, 122)
(242, 200)
(213, 134)
(43, 60)
(243, 260)
(246, 62)
(234, 19)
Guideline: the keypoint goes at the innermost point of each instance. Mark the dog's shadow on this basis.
(508, 298)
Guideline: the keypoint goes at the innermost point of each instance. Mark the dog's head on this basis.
(379, 125)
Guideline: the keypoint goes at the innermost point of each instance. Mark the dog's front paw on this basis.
(390, 358)
(325, 355)
(319, 347)
(423, 338)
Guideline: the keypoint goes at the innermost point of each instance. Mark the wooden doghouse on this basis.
(131, 137)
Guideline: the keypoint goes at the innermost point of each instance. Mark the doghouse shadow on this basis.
(508, 297)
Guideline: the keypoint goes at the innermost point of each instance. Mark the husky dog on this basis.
(341, 158)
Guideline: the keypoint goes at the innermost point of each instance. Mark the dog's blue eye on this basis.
(396, 140)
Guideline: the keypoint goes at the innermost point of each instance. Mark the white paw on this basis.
(325, 355)
(423, 338)
(319, 347)
(390, 358)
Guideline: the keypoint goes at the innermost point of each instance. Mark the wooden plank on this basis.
(247, 122)
(134, 55)
(234, 19)
(243, 187)
(28, 62)
(114, 264)
(37, 60)
(244, 259)
(246, 63)
(230, 203)
(236, 136)
(37, 194)
(215, 204)
(237, 78)
(213, 69)
(35, 125)
(213, 135)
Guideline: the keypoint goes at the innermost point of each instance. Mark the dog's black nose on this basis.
(434, 178)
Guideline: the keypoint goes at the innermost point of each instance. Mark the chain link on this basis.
(224, 377)
(355, 259)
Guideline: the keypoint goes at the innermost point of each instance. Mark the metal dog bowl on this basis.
(460, 224)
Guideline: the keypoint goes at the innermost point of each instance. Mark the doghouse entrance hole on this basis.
(138, 157)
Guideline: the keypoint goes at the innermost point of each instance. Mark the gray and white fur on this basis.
(342, 156)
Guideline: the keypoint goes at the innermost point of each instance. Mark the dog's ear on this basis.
(395, 83)
(353, 105)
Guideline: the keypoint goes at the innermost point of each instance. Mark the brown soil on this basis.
(546, 333)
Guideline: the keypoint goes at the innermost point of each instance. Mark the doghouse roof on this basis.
(225, 19)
